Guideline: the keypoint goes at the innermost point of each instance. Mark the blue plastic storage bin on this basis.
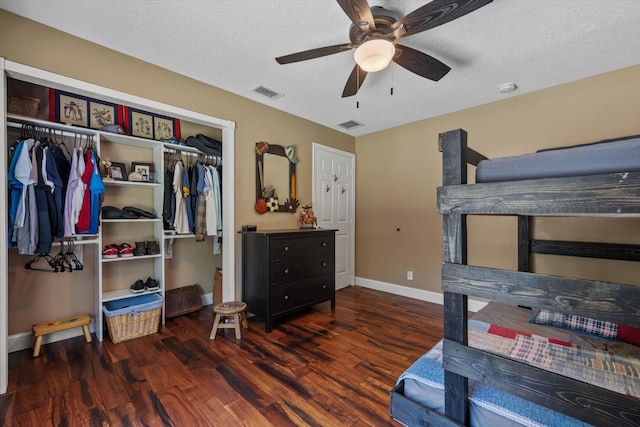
(132, 305)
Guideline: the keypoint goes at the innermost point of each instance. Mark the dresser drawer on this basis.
(285, 271)
(301, 246)
(291, 295)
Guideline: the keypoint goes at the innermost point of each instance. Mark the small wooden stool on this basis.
(44, 328)
(234, 310)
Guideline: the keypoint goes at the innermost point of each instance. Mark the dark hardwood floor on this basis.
(319, 368)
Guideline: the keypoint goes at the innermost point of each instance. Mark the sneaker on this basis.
(152, 247)
(151, 284)
(110, 251)
(140, 249)
(137, 287)
(125, 250)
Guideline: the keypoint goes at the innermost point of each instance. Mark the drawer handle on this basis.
(286, 248)
(324, 264)
(324, 286)
(286, 271)
(286, 297)
(324, 244)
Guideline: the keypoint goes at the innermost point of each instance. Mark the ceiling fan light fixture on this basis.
(374, 55)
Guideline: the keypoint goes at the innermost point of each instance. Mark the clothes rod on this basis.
(18, 122)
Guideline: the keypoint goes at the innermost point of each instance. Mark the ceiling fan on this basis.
(375, 33)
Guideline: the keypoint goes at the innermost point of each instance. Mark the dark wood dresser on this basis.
(287, 270)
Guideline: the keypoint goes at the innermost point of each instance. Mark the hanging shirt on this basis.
(180, 221)
(74, 177)
(85, 211)
(186, 193)
(211, 214)
(15, 191)
(201, 205)
(96, 186)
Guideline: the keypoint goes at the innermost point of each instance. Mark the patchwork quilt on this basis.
(616, 372)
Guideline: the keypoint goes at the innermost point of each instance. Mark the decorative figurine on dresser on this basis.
(284, 271)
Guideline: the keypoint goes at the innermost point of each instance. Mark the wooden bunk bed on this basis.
(602, 194)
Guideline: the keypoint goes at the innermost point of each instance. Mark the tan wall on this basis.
(399, 170)
(37, 297)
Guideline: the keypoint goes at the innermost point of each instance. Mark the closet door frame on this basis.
(26, 73)
(4, 243)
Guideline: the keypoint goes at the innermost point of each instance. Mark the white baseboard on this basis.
(24, 340)
(405, 291)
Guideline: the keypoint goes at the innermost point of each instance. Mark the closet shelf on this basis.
(131, 258)
(129, 140)
(124, 294)
(179, 236)
(131, 183)
(132, 220)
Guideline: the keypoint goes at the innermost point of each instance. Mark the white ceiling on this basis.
(231, 44)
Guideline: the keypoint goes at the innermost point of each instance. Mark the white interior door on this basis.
(334, 204)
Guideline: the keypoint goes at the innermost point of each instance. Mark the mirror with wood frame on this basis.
(275, 179)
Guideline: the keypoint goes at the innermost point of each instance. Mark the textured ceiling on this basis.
(231, 44)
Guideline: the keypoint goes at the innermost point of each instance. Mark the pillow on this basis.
(599, 328)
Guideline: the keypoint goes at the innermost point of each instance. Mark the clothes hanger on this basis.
(38, 257)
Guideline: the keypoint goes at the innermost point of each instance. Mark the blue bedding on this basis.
(611, 156)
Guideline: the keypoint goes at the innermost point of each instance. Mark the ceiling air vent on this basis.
(351, 124)
(268, 92)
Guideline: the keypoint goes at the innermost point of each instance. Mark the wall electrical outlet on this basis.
(409, 275)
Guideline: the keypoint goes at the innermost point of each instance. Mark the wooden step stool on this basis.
(44, 328)
(234, 310)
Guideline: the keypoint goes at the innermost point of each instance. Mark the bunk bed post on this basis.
(454, 172)
(524, 242)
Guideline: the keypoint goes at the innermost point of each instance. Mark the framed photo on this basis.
(164, 128)
(102, 113)
(78, 110)
(144, 169)
(140, 123)
(69, 108)
(118, 171)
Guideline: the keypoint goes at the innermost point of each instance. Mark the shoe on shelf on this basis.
(140, 249)
(125, 250)
(137, 287)
(152, 247)
(151, 284)
(110, 252)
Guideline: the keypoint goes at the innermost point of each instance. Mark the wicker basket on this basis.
(133, 317)
(133, 325)
(23, 105)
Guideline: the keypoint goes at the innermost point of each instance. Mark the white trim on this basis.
(420, 294)
(4, 256)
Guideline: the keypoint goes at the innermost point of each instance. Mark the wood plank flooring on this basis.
(321, 367)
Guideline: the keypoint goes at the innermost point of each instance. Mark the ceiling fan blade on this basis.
(359, 12)
(433, 14)
(355, 81)
(314, 53)
(420, 63)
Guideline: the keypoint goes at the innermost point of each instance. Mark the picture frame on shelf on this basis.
(68, 108)
(103, 113)
(140, 123)
(165, 128)
(144, 169)
(118, 171)
(78, 110)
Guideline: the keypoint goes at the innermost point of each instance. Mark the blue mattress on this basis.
(610, 156)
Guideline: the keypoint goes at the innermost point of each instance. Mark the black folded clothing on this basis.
(111, 212)
(138, 212)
